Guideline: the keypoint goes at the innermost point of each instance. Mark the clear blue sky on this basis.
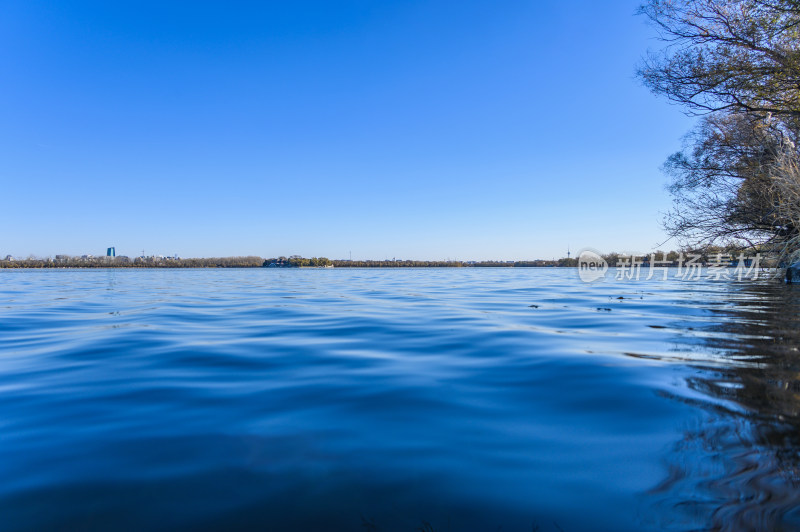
(410, 129)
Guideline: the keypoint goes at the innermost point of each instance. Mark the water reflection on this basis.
(739, 468)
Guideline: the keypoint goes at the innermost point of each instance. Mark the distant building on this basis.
(111, 252)
(9, 258)
(279, 263)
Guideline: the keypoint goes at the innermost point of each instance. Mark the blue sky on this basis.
(409, 129)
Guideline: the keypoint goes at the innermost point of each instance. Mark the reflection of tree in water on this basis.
(739, 469)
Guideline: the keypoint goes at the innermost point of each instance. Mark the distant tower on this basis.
(568, 253)
(111, 252)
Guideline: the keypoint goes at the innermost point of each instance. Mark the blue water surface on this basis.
(408, 399)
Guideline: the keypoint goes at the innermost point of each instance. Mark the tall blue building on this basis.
(111, 252)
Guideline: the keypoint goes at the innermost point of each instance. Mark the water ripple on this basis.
(344, 399)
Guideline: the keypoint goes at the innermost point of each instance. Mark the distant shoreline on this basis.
(42, 265)
(673, 259)
(89, 262)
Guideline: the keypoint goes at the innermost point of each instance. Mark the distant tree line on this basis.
(294, 261)
(396, 264)
(705, 253)
(138, 262)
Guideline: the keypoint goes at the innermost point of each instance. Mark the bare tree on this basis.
(785, 190)
(737, 63)
(727, 55)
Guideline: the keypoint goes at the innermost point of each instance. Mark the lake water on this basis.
(419, 399)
